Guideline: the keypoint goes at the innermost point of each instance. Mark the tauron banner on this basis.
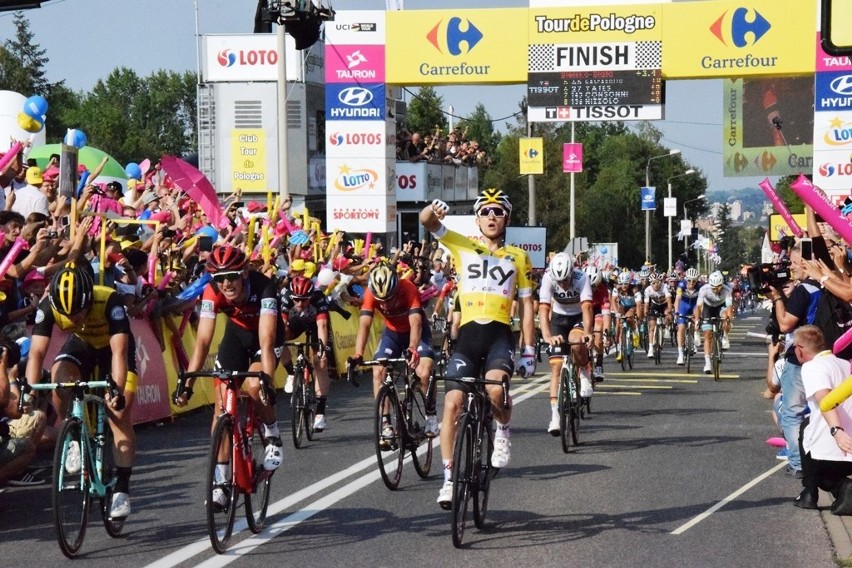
(767, 126)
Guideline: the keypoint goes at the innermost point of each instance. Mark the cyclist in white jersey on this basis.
(658, 301)
(565, 312)
(711, 298)
(625, 302)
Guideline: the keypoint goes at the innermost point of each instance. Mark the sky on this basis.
(86, 39)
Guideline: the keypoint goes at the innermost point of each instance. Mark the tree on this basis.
(425, 112)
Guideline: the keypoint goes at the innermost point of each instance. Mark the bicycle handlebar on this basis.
(222, 375)
(352, 363)
(79, 385)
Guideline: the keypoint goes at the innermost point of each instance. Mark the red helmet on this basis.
(301, 287)
(226, 258)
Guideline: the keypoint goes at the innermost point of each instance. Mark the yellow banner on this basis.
(531, 155)
(595, 24)
(732, 39)
(778, 227)
(248, 159)
(443, 47)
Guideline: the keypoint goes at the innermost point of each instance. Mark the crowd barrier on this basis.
(158, 365)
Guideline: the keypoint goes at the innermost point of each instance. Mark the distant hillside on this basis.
(752, 199)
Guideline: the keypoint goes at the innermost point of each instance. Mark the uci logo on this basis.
(741, 28)
(355, 96)
(453, 36)
(226, 58)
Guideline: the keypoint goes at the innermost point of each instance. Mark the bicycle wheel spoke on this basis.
(462, 478)
(416, 423)
(297, 407)
(484, 449)
(113, 526)
(564, 410)
(70, 488)
(257, 502)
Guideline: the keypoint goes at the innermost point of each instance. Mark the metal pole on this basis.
(530, 185)
(571, 231)
(648, 215)
(283, 170)
(671, 264)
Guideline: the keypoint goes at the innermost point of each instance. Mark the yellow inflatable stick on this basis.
(837, 396)
(250, 238)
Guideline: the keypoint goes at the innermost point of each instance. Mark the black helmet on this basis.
(71, 290)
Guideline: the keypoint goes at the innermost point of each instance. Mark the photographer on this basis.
(797, 310)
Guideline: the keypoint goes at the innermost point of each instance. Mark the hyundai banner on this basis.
(355, 101)
(649, 199)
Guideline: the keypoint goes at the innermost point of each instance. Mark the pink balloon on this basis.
(824, 208)
(777, 442)
(842, 342)
(779, 206)
(10, 155)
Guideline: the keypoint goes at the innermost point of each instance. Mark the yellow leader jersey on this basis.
(487, 281)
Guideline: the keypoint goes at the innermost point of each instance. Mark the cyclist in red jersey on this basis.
(250, 301)
(406, 331)
(602, 314)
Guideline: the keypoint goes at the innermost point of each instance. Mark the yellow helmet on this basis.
(493, 196)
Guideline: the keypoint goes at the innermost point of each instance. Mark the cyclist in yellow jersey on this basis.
(100, 337)
(490, 274)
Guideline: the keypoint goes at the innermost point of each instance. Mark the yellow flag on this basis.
(531, 155)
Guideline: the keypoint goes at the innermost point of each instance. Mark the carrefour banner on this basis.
(736, 39)
(767, 126)
(531, 155)
(428, 47)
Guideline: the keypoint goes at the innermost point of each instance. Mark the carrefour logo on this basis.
(354, 179)
(740, 30)
(531, 153)
(226, 58)
(453, 36)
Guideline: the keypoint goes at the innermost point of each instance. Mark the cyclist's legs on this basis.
(560, 327)
(66, 371)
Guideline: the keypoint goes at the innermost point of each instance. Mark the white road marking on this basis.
(685, 527)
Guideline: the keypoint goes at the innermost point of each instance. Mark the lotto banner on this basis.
(752, 142)
(733, 39)
(445, 47)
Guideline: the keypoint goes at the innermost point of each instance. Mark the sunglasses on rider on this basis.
(229, 276)
(495, 210)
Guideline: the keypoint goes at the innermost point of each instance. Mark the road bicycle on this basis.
(627, 343)
(643, 333)
(303, 400)
(689, 344)
(715, 345)
(238, 443)
(90, 470)
(474, 444)
(406, 418)
(657, 345)
(570, 403)
(671, 326)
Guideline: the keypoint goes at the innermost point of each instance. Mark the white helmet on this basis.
(656, 277)
(624, 278)
(716, 279)
(645, 272)
(692, 274)
(561, 266)
(594, 275)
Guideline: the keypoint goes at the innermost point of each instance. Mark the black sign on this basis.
(595, 88)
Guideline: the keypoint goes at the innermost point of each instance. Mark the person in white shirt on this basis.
(826, 446)
(30, 198)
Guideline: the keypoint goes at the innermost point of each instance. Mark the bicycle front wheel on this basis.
(390, 451)
(310, 403)
(463, 475)
(297, 407)
(688, 350)
(483, 474)
(113, 526)
(70, 487)
(717, 357)
(257, 502)
(415, 420)
(624, 339)
(220, 514)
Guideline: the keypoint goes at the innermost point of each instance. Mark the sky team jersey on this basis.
(565, 300)
(487, 281)
(107, 317)
(657, 296)
(405, 301)
(706, 296)
(261, 299)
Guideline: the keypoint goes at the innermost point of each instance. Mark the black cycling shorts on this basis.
(487, 346)
(89, 359)
(240, 348)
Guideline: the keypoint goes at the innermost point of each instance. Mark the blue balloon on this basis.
(208, 231)
(196, 288)
(75, 137)
(604, 250)
(36, 107)
(133, 171)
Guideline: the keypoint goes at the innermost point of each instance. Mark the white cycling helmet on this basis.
(624, 278)
(645, 272)
(692, 274)
(561, 266)
(594, 275)
(656, 277)
(716, 279)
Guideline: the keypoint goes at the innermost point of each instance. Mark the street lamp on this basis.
(685, 203)
(647, 211)
(688, 172)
